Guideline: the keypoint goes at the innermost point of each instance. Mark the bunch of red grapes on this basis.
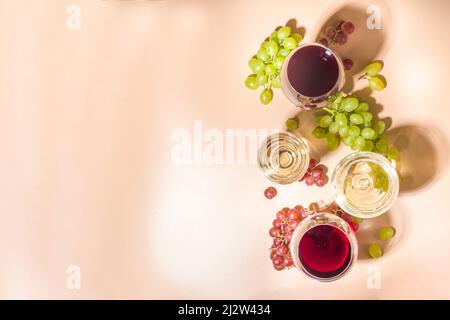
(338, 34)
(282, 229)
(316, 174)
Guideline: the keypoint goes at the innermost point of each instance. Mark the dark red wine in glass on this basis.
(324, 247)
(310, 74)
(325, 251)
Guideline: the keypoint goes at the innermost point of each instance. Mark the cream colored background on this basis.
(85, 171)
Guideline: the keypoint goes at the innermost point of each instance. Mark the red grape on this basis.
(288, 262)
(341, 38)
(323, 41)
(303, 213)
(354, 225)
(312, 163)
(279, 268)
(270, 192)
(286, 209)
(281, 215)
(346, 217)
(304, 176)
(285, 229)
(272, 254)
(347, 27)
(277, 223)
(317, 172)
(288, 236)
(277, 242)
(309, 181)
(294, 214)
(339, 24)
(348, 64)
(298, 207)
(330, 32)
(277, 260)
(320, 182)
(274, 232)
(293, 224)
(282, 250)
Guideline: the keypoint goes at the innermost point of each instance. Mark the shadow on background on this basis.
(368, 232)
(424, 154)
(364, 45)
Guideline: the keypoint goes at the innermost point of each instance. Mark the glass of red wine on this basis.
(324, 246)
(310, 74)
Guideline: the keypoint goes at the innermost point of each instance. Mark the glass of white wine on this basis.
(283, 158)
(365, 184)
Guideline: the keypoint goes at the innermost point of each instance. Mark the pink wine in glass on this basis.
(310, 74)
(324, 247)
(325, 251)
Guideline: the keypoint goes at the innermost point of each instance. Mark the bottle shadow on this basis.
(368, 232)
(420, 162)
(364, 44)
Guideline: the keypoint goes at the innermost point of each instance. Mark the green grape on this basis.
(373, 69)
(266, 96)
(270, 69)
(291, 124)
(264, 44)
(338, 98)
(354, 131)
(376, 83)
(381, 146)
(263, 55)
(278, 61)
(360, 142)
(358, 220)
(272, 48)
(333, 128)
(284, 52)
(368, 133)
(256, 65)
(333, 145)
(392, 154)
(355, 147)
(344, 131)
(251, 82)
(261, 78)
(332, 141)
(349, 140)
(341, 119)
(276, 82)
(355, 118)
(290, 43)
(386, 233)
(298, 37)
(375, 251)
(284, 32)
(274, 36)
(363, 106)
(325, 121)
(369, 145)
(379, 126)
(367, 116)
(319, 132)
(349, 104)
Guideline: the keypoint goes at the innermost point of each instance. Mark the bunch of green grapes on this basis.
(349, 120)
(266, 64)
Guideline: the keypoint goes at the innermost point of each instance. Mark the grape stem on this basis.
(329, 110)
(364, 76)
